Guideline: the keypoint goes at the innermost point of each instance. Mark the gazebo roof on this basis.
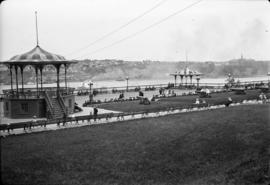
(186, 72)
(37, 56)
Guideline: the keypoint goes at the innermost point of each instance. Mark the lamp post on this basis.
(229, 77)
(198, 81)
(127, 78)
(175, 76)
(90, 92)
(268, 74)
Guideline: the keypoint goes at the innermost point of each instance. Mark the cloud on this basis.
(218, 38)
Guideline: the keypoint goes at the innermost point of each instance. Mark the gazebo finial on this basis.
(186, 61)
(36, 28)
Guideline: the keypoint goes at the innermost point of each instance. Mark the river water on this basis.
(135, 82)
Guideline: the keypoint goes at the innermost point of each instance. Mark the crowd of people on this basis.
(150, 88)
(85, 93)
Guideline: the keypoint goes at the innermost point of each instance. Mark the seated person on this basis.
(264, 98)
(146, 101)
(141, 93)
(121, 96)
(197, 101)
(207, 91)
(229, 101)
(261, 96)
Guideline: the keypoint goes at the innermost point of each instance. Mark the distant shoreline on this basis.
(135, 82)
(169, 78)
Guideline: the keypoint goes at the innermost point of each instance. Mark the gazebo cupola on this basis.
(38, 58)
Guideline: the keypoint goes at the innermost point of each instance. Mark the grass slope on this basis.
(225, 146)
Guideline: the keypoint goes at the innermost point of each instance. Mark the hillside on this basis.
(119, 69)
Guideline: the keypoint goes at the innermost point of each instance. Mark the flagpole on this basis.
(36, 28)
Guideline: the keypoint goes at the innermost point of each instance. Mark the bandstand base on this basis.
(27, 108)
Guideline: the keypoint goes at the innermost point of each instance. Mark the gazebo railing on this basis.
(32, 93)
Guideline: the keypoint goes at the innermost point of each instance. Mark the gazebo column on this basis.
(16, 74)
(181, 78)
(22, 67)
(66, 77)
(36, 69)
(57, 82)
(11, 80)
(190, 79)
(186, 79)
(41, 81)
(175, 76)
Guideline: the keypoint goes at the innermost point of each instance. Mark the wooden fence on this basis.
(88, 118)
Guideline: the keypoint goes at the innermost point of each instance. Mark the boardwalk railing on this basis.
(102, 90)
(31, 93)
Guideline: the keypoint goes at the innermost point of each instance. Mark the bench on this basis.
(239, 90)
(203, 94)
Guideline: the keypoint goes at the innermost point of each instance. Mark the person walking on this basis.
(95, 113)
(33, 122)
(264, 98)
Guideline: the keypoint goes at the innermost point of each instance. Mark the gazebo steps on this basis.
(57, 110)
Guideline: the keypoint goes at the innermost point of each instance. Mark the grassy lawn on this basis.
(221, 146)
(180, 101)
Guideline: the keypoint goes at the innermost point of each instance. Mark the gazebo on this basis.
(41, 101)
(186, 73)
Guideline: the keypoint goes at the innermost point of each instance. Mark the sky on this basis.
(202, 30)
